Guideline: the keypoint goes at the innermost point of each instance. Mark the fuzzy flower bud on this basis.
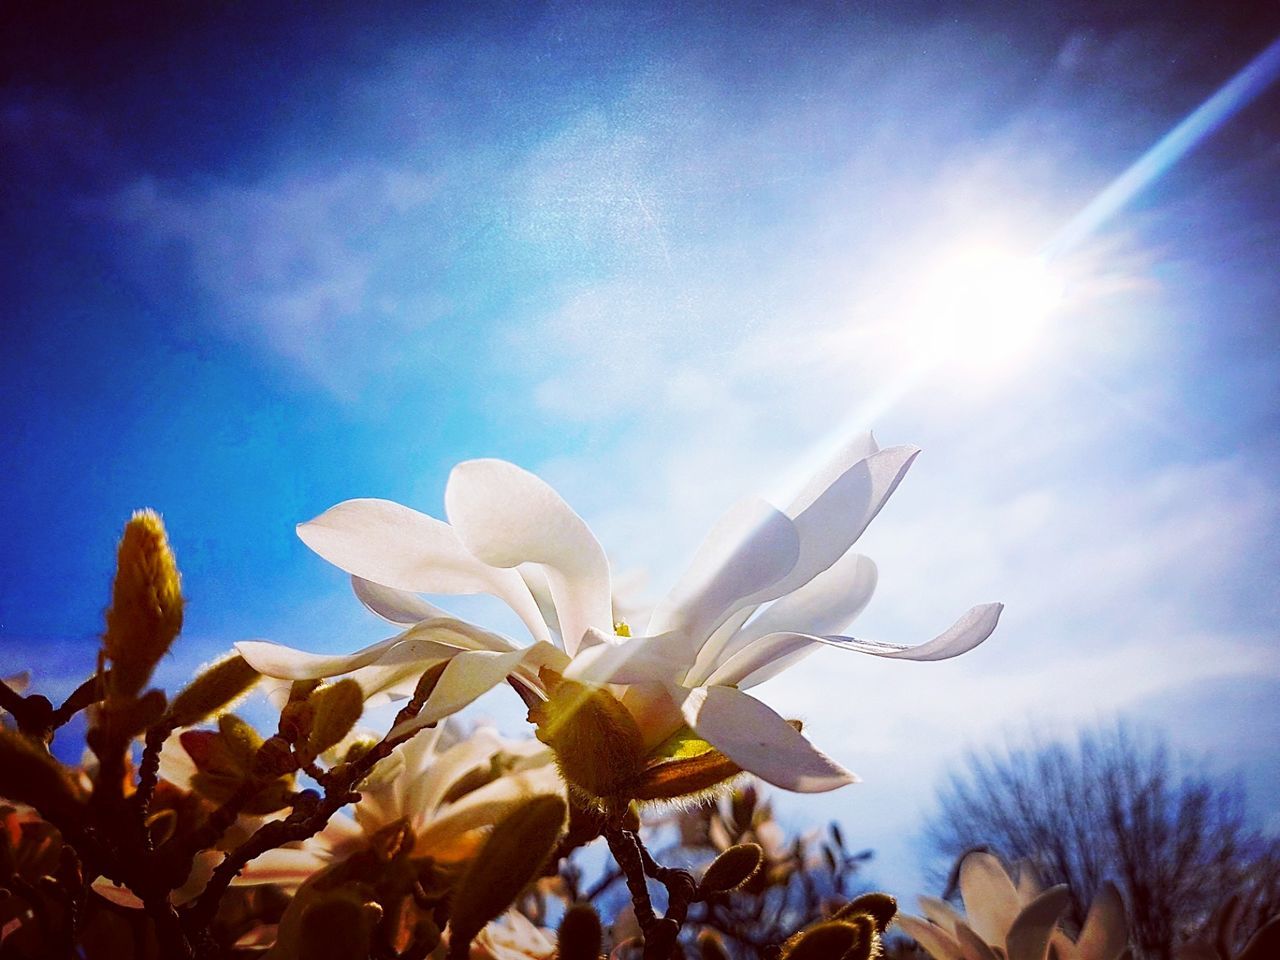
(511, 857)
(597, 744)
(146, 605)
(217, 688)
(732, 869)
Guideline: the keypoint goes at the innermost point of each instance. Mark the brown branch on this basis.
(33, 713)
(625, 848)
(340, 785)
(85, 695)
(149, 773)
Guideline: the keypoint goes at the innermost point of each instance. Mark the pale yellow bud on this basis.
(216, 688)
(510, 859)
(597, 744)
(146, 605)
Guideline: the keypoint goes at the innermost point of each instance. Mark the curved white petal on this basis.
(535, 578)
(429, 788)
(837, 517)
(390, 544)
(961, 637)
(940, 912)
(937, 942)
(628, 660)
(1106, 932)
(287, 663)
(473, 672)
(751, 665)
(827, 603)
(753, 736)
(176, 764)
(656, 709)
(425, 642)
(395, 606)
(856, 448)
(488, 804)
(289, 867)
(751, 547)
(506, 516)
(990, 899)
(1029, 936)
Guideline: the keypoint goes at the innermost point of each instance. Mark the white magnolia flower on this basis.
(766, 588)
(1018, 921)
(513, 936)
(417, 788)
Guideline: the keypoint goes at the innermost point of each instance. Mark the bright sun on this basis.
(983, 308)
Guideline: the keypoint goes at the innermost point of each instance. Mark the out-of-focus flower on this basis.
(443, 787)
(1018, 921)
(513, 937)
(766, 588)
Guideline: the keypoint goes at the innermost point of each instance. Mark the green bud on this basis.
(29, 775)
(241, 742)
(826, 941)
(337, 708)
(580, 935)
(880, 907)
(216, 688)
(510, 859)
(597, 744)
(146, 605)
(731, 869)
(338, 927)
(710, 947)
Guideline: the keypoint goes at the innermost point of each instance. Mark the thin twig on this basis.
(625, 849)
(149, 774)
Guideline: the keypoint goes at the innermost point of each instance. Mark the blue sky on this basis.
(255, 264)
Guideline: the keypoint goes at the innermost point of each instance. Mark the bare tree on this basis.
(1116, 805)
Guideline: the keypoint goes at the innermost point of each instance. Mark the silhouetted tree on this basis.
(1115, 805)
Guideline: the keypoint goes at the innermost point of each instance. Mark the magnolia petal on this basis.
(837, 517)
(758, 657)
(506, 516)
(961, 637)
(535, 578)
(973, 946)
(937, 942)
(753, 736)
(288, 866)
(990, 899)
(856, 448)
(940, 912)
(429, 788)
(120, 895)
(383, 683)
(488, 804)
(406, 550)
(1105, 933)
(1029, 936)
(287, 663)
(473, 672)
(627, 660)
(395, 606)
(176, 764)
(752, 546)
(827, 603)
(656, 709)
(384, 793)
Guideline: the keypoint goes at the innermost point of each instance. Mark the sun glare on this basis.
(983, 308)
